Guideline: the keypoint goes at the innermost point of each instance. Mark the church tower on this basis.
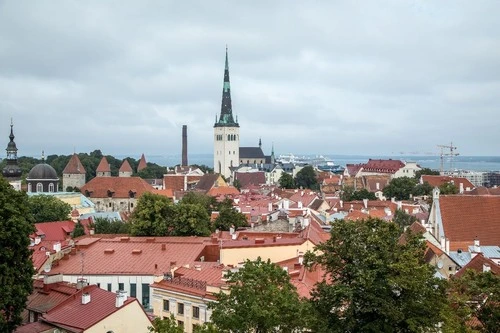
(12, 172)
(226, 132)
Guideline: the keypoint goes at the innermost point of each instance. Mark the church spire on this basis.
(11, 170)
(226, 113)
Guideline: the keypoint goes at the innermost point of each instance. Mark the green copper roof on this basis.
(226, 113)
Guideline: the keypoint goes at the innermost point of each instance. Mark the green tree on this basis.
(286, 181)
(237, 184)
(402, 219)
(306, 178)
(151, 216)
(16, 267)
(346, 193)
(205, 328)
(79, 230)
(379, 284)
(476, 294)
(190, 220)
(448, 188)
(363, 194)
(165, 325)
(47, 208)
(400, 188)
(208, 202)
(261, 299)
(426, 171)
(422, 189)
(229, 216)
(106, 226)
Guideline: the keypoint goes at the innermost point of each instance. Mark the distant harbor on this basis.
(471, 163)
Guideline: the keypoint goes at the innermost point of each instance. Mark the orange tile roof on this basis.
(176, 181)
(169, 193)
(125, 167)
(103, 165)
(436, 181)
(72, 313)
(303, 279)
(383, 166)
(74, 166)
(223, 191)
(120, 186)
(477, 263)
(142, 163)
(55, 231)
(468, 217)
(132, 255)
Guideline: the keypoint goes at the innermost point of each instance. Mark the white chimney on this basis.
(301, 258)
(486, 267)
(306, 222)
(185, 183)
(301, 193)
(231, 230)
(400, 204)
(477, 247)
(299, 204)
(365, 203)
(461, 188)
(57, 247)
(341, 204)
(38, 239)
(270, 207)
(377, 186)
(447, 246)
(443, 243)
(121, 297)
(286, 204)
(85, 298)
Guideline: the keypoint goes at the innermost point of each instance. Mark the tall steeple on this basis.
(11, 170)
(226, 113)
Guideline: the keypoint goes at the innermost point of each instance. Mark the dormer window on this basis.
(131, 193)
(110, 193)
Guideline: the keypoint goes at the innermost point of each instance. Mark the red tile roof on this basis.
(42, 299)
(175, 182)
(481, 190)
(74, 166)
(103, 165)
(55, 231)
(353, 169)
(142, 163)
(132, 255)
(383, 166)
(125, 167)
(247, 178)
(34, 327)
(169, 193)
(468, 217)
(121, 187)
(436, 181)
(75, 315)
(477, 263)
(303, 279)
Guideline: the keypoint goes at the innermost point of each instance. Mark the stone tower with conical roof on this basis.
(12, 172)
(103, 169)
(125, 169)
(226, 132)
(73, 174)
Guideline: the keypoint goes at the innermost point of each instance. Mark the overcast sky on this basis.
(330, 77)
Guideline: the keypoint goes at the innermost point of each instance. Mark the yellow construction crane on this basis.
(451, 155)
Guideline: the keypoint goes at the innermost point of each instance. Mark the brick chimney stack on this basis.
(184, 146)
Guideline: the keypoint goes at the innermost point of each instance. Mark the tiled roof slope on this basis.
(436, 181)
(103, 165)
(142, 163)
(477, 263)
(207, 181)
(74, 166)
(470, 217)
(43, 299)
(55, 231)
(385, 166)
(132, 255)
(247, 178)
(125, 167)
(34, 327)
(120, 186)
(73, 314)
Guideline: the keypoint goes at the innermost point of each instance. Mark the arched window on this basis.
(228, 137)
(29, 187)
(39, 187)
(51, 187)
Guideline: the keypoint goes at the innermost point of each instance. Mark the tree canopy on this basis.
(348, 194)
(16, 267)
(448, 188)
(106, 226)
(306, 178)
(47, 208)
(79, 230)
(379, 285)
(400, 188)
(426, 171)
(403, 219)
(286, 181)
(261, 299)
(165, 325)
(229, 216)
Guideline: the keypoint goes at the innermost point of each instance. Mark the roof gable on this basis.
(142, 163)
(74, 166)
(384, 166)
(251, 152)
(119, 187)
(125, 167)
(103, 165)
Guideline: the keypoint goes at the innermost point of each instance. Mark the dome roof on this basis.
(43, 171)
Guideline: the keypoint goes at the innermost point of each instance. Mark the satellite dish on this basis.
(47, 268)
(440, 264)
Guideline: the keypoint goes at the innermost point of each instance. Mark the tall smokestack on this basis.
(184, 146)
